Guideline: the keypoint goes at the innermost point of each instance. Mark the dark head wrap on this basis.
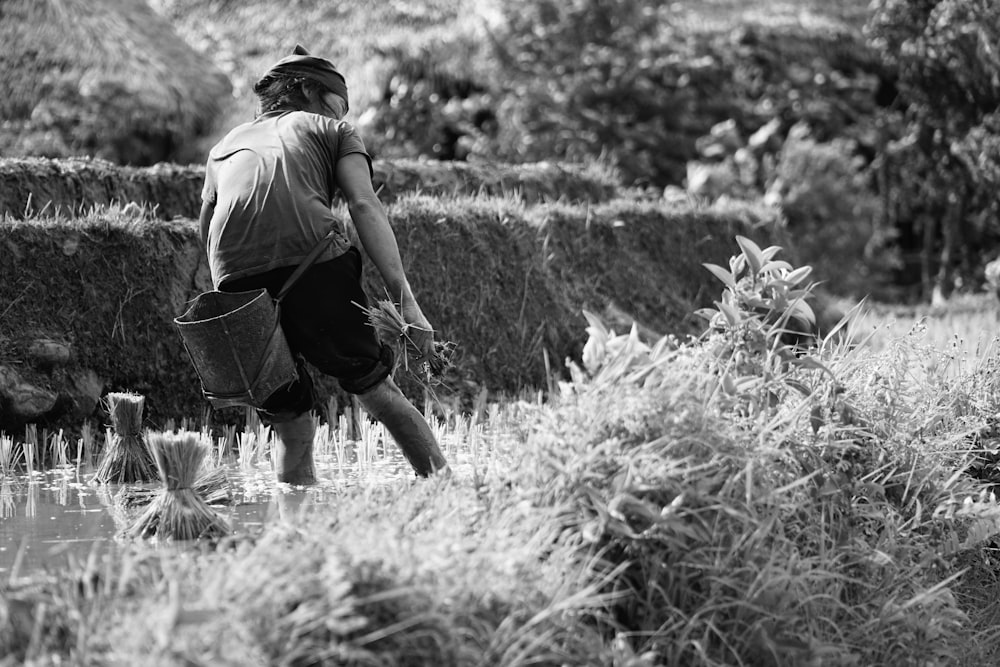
(321, 70)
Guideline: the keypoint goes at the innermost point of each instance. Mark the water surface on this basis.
(52, 519)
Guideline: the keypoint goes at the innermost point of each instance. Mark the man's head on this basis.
(304, 82)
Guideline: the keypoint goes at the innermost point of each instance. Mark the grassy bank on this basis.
(652, 512)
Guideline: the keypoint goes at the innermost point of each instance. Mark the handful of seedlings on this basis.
(126, 459)
(178, 512)
(392, 328)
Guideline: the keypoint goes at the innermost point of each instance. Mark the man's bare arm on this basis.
(379, 240)
(205, 219)
(372, 223)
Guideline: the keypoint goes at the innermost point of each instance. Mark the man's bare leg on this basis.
(293, 455)
(386, 403)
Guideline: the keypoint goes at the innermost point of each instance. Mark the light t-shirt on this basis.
(272, 182)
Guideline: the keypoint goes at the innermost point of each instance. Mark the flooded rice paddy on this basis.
(53, 518)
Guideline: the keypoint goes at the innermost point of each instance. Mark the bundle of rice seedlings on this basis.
(212, 485)
(388, 322)
(126, 459)
(178, 512)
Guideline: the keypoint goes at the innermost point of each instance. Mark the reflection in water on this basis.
(8, 501)
(63, 491)
(58, 517)
(31, 506)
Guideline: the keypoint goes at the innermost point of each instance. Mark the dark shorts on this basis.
(324, 326)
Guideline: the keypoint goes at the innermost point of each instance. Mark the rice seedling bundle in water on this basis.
(211, 485)
(178, 512)
(393, 329)
(126, 458)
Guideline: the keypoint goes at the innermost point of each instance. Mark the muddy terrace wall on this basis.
(86, 303)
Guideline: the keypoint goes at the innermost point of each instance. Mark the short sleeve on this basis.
(209, 192)
(351, 142)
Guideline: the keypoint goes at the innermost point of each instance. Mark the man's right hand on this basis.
(419, 332)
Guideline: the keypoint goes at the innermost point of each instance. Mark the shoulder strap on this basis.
(307, 262)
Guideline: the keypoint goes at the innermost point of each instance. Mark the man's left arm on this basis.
(205, 220)
(379, 241)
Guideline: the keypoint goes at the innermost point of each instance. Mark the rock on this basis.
(47, 354)
(72, 243)
(21, 401)
(8, 378)
(28, 403)
(85, 390)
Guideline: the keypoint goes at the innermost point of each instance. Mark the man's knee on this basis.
(379, 371)
(290, 401)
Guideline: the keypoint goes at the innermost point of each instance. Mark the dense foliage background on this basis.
(874, 126)
(879, 140)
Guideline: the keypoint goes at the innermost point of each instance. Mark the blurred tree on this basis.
(940, 158)
(829, 207)
(433, 102)
(631, 80)
(593, 76)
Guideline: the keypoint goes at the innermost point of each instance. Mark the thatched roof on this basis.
(110, 78)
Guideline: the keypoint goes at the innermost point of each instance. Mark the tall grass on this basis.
(756, 547)
(815, 508)
(964, 330)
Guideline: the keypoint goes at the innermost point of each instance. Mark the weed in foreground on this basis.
(757, 509)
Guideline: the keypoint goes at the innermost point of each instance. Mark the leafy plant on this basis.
(767, 544)
(762, 329)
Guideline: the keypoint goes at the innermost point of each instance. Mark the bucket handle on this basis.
(307, 262)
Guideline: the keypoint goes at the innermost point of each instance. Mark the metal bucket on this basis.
(237, 346)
